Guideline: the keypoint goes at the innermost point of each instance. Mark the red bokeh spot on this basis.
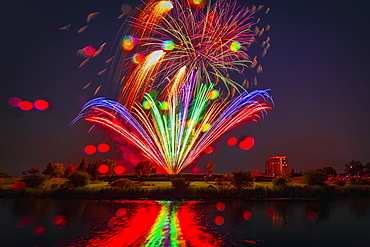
(220, 206)
(219, 220)
(25, 105)
(208, 150)
(269, 211)
(59, 221)
(38, 231)
(23, 222)
(121, 212)
(119, 169)
(14, 102)
(247, 215)
(103, 168)
(103, 147)
(41, 105)
(247, 144)
(232, 141)
(312, 216)
(195, 170)
(112, 221)
(18, 185)
(89, 51)
(90, 149)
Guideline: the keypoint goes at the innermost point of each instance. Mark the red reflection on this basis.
(247, 215)
(14, 102)
(25, 105)
(119, 169)
(23, 222)
(103, 168)
(219, 220)
(121, 212)
(18, 185)
(269, 211)
(41, 105)
(208, 150)
(90, 149)
(59, 221)
(103, 147)
(312, 216)
(220, 206)
(232, 141)
(38, 231)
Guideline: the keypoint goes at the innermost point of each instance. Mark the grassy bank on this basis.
(162, 190)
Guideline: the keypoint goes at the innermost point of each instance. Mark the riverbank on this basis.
(192, 193)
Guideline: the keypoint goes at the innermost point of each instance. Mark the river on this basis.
(67, 222)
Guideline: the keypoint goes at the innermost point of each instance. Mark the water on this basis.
(53, 222)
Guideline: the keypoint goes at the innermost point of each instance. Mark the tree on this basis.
(82, 166)
(122, 183)
(241, 179)
(314, 177)
(209, 170)
(3, 174)
(93, 169)
(69, 170)
(54, 170)
(33, 170)
(111, 164)
(354, 167)
(35, 180)
(143, 168)
(328, 171)
(180, 184)
(279, 182)
(79, 179)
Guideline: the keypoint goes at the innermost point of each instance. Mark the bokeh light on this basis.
(138, 58)
(168, 45)
(206, 127)
(121, 212)
(146, 105)
(313, 216)
(90, 149)
(25, 105)
(232, 141)
(213, 94)
(164, 105)
(197, 3)
(103, 147)
(14, 102)
(195, 170)
(18, 185)
(89, 51)
(119, 170)
(103, 168)
(247, 144)
(220, 206)
(235, 46)
(39, 230)
(112, 221)
(41, 105)
(219, 220)
(247, 215)
(128, 42)
(25, 221)
(208, 150)
(269, 211)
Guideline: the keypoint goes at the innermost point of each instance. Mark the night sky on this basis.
(316, 70)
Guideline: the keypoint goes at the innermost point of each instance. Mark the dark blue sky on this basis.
(316, 70)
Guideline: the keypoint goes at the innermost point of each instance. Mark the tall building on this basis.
(277, 166)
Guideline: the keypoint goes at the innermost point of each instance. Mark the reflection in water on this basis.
(67, 222)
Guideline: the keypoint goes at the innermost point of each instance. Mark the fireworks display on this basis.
(169, 64)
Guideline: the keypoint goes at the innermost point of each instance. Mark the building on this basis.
(278, 166)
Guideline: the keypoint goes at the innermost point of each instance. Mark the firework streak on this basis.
(181, 50)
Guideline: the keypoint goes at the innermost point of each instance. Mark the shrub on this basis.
(339, 182)
(279, 182)
(180, 184)
(79, 179)
(314, 177)
(122, 183)
(358, 181)
(241, 179)
(35, 180)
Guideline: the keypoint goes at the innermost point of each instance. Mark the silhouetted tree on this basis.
(241, 179)
(92, 169)
(111, 164)
(354, 167)
(54, 170)
(33, 170)
(143, 168)
(79, 179)
(209, 170)
(328, 171)
(82, 166)
(314, 177)
(70, 169)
